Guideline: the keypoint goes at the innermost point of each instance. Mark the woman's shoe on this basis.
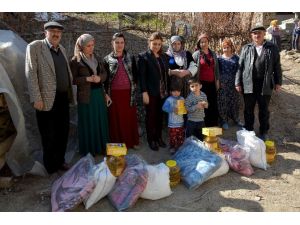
(161, 143)
(153, 146)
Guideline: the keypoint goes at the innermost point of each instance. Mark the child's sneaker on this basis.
(225, 126)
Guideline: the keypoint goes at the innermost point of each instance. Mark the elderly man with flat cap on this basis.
(258, 75)
(49, 81)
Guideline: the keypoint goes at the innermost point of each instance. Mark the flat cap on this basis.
(53, 24)
(257, 27)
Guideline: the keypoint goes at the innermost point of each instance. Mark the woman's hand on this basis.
(108, 100)
(174, 73)
(238, 88)
(90, 79)
(183, 73)
(218, 85)
(145, 98)
(96, 78)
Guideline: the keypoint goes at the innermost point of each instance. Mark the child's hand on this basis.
(176, 110)
(199, 105)
(204, 104)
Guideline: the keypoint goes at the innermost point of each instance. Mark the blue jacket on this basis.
(169, 106)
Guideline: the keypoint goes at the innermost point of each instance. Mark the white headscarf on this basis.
(181, 54)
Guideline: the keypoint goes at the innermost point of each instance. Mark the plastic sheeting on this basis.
(26, 147)
(74, 186)
(130, 184)
(196, 162)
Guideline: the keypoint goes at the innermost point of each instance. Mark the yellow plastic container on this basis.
(174, 173)
(211, 131)
(116, 149)
(211, 140)
(116, 158)
(212, 143)
(116, 164)
(181, 107)
(270, 151)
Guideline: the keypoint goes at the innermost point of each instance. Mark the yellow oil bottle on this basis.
(174, 172)
(270, 151)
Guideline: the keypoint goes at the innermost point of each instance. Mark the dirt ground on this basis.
(276, 189)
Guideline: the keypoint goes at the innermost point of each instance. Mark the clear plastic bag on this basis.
(130, 184)
(237, 156)
(197, 163)
(257, 148)
(74, 186)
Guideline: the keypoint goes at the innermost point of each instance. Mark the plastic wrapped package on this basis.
(237, 156)
(223, 169)
(197, 163)
(238, 160)
(158, 184)
(74, 186)
(104, 183)
(130, 184)
(257, 148)
(226, 144)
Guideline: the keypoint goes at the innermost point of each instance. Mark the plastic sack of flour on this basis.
(257, 148)
(158, 184)
(104, 181)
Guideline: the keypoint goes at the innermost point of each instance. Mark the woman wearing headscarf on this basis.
(121, 87)
(208, 74)
(228, 97)
(181, 64)
(153, 80)
(89, 75)
(274, 30)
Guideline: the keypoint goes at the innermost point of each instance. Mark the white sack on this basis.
(224, 168)
(257, 148)
(104, 183)
(158, 185)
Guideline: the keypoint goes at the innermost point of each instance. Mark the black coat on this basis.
(150, 76)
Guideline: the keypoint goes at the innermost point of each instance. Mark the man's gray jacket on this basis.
(272, 75)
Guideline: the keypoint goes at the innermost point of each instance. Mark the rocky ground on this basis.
(276, 189)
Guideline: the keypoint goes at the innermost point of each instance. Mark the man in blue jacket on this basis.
(258, 74)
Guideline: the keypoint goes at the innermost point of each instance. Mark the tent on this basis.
(25, 153)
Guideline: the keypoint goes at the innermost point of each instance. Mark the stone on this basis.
(288, 57)
(290, 53)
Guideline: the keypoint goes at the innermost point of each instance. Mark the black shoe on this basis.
(264, 136)
(161, 143)
(153, 146)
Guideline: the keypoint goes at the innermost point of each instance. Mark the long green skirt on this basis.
(93, 124)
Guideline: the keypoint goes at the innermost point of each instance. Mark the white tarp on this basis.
(26, 149)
